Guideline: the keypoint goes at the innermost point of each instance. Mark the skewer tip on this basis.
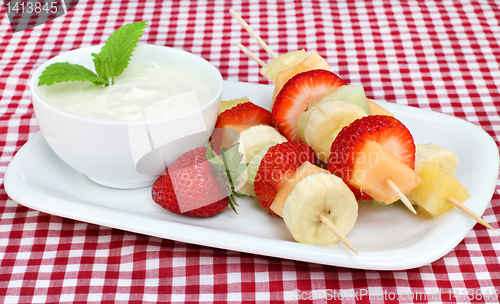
(469, 212)
(337, 233)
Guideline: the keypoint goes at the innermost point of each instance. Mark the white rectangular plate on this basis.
(390, 238)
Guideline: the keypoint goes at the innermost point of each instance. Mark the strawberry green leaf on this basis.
(229, 164)
(212, 157)
(240, 195)
(233, 203)
(64, 71)
(233, 157)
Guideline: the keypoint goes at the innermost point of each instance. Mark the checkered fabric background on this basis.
(438, 54)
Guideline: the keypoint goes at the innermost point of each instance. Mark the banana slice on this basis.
(437, 155)
(325, 121)
(253, 139)
(321, 193)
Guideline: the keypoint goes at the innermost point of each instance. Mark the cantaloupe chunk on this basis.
(437, 185)
(377, 109)
(289, 181)
(312, 62)
(374, 165)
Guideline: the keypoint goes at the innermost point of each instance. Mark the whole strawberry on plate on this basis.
(200, 182)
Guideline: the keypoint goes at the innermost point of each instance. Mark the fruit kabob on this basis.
(315, 116)
(304, 106)
(276, 165)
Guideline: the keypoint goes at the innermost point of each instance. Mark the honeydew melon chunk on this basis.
(251, 171)
(353, 93)
(253, 165)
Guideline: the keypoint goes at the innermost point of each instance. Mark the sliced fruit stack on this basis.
(235, 116)
(306, 197)
(371, 151)
(277, 162)
(360, 141)
(316, 120)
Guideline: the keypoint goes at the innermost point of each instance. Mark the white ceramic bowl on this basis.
(128, 154)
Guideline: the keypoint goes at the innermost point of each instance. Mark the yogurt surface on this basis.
(144, 91)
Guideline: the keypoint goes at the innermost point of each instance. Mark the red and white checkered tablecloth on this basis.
(438, 54)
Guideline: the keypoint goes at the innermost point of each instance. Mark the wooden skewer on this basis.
(335, 231)
(251, 55)
(252, 33)
(401, 195)
(469, 212)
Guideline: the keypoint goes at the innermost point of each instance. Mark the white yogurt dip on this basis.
(144, 91)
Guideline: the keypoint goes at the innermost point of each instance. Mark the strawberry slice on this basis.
(244, 114)
(296, 95)
(385, 130)
(279, 160)
(234, 120)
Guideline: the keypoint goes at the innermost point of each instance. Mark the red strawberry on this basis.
(190, 186)
(234, 120)
(197, 186)
(246, 113)
(277, 161)
(296, 95)
(385, 130)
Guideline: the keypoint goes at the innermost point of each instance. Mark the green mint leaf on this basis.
(64, 72)
(115, 55)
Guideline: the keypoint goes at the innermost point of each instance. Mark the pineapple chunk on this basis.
(228, 104)
(282, 62)
(437, 185)
(374, 165)
(312, 62)
(289, 181)
(437, 155)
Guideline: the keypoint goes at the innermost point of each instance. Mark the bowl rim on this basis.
(33, 83)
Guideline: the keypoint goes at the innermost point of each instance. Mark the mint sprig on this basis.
(110, 62)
